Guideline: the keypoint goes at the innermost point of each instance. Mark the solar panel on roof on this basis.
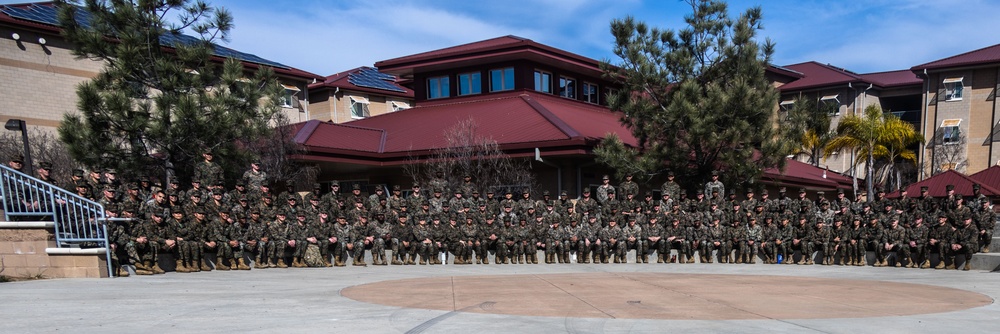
(372, 78)
(49, 15)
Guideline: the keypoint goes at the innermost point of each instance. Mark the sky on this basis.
(329, 36)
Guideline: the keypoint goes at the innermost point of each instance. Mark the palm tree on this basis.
(898, 136)
(813, 145)
(874, 135)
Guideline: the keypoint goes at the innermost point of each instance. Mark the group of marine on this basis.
(427, 226)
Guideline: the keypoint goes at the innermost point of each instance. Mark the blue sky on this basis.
(329, 36)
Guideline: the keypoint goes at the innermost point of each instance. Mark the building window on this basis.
(950, 132)
(953, 88)
(438, 87)
(567, 87)
(470, 83)
(543, 82)
(359, 107)
(289, 100)
(398, 105)
(831, 103)
(590, 92)
(502, 79)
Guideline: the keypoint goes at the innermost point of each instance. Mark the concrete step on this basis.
(986, 261)
(995, 245)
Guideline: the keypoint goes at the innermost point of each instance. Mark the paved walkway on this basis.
(573, 298)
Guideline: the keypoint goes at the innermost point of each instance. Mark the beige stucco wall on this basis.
(330, 107)
(975, 109)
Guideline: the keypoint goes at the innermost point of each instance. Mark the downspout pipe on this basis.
(336, 101)
(927, 89)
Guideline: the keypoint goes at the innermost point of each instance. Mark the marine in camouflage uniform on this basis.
(633, 238)
(716, 240)
(468, 241)
(424, 243)
(856, 251)
(364, 238)
(875, 235)
(277, 241)
(341, 240)
(754, 236)
(895, 240)
(965, 242)
(653, 239)
(985, 221)
(800, 240)
(382, 228)
(939, 238)
(614, 245)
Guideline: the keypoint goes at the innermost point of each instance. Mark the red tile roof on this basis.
(936, 186)
(515, 120)
(248, 60)
(989, 176)
(800, 174)
(506, 47)
(892, 78)
(818, 75)
(489, 44)
(341, 80)
(987, 55)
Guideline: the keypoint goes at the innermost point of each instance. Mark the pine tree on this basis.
(162, 98)
(697, 99)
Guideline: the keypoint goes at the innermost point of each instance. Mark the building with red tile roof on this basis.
(538, 103)
(357, 93)
(848, 93)
(41, 73)
(960, 110)
(937, 186)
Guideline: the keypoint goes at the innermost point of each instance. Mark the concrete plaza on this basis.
(573, 298)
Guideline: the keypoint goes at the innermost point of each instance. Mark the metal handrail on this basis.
(78, 220)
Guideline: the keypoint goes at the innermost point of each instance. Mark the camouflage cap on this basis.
(78, 173)
(45, 165)
(176, 209)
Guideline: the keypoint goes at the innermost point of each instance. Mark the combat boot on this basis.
(681, 258)
(940, 265)
(220, 266)
(595, 257)
(156, 268)
(359, 262)
(709, 258)
(193, 266)
(752, 259)
(121, 271)
(565, 257)
(436, 259)
(297, 262)
(423, 260)
(690, 258)
(139, 265)
(180, 267)
(986, 249)
(926, 264)
(281, 263)
(204, 266)
(897, 264)
(967, 266)
(338, 261)
(242, 264)
(729, 259)
(142, 272)
(258, 264)
(952, 265)
(659, 258)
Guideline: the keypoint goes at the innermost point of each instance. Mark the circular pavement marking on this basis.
(667, 296)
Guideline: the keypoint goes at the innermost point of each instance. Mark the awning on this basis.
(830, 97)
(358, 99)
(951, 122)
(953, 80)
(290, 87)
